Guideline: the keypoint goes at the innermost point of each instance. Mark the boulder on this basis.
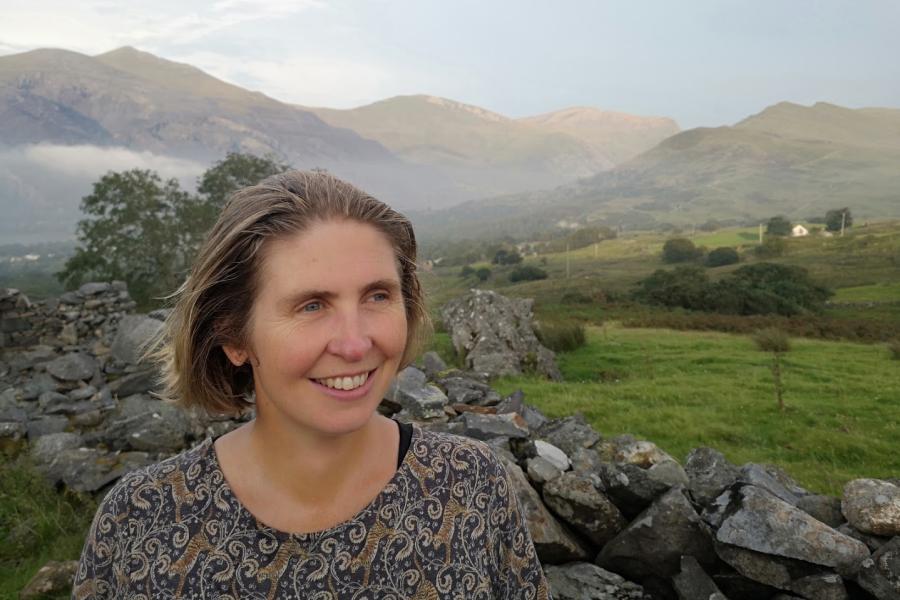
(774, 480)
(569, 433)
(61, 458)
(692, 582)
(574, 498)
(146, 424)
(755, 519)
(552, 541)
(419, 399)
(134, 332)
(872, 506)
(496, 336)
(75, 366)
(823, 508)
(630, 487)
(464, 390)
(540, 470)
(139, 382)
(880, 574)
(53, 579)
(584, 581)
(551, 453)
(515, 402)
(655, 541)
(709, 473)
(432, 364)
(485, 427)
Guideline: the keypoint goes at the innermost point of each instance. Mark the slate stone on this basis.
(553, 542)
(774, 480)
(82, 393)
(133, 333)
(872, 506)
(93, 288)
(515, 402)
(462, 390)
(146, 424)
(540, 470)
(432, 364)
(692, 582)
(880, 574)
(630, 487)
(421, 400)
(585, 581)
(569, 433)
(709, 473)
(38, 384)
(551, 453)
(574, 498)
(874, 542)
(655, 541)
(485, 427)
(54, 403)
(139, 382)
(75, 366)
(53, 579)
(46, 425)
(823, 508)
(757, 520)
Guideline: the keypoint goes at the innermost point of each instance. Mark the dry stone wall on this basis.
(612, 518)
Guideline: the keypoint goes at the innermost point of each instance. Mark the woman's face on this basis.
(327, 329)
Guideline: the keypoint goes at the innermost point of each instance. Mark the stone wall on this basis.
(611, 517)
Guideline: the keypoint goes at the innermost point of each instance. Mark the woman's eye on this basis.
(380, 297)
(311, 307)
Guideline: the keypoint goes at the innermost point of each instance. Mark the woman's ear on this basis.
(236, 355)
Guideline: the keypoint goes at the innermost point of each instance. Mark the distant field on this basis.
(687, 389)
(876, 292)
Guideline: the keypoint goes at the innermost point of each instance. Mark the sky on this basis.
(701, 62)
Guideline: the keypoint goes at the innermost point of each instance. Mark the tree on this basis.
(684, 287)
(834, 217)
(466, 271)
(131, 234)
(777, 342)
(680, 250)
(722, 256)
(527, 273)
(482, 273)
(506, 257)
(778, 226)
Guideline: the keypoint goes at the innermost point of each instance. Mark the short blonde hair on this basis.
(213, 305)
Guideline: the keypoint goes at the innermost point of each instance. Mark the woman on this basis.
(305, 294)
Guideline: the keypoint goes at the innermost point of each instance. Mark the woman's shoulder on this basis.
(460, 452)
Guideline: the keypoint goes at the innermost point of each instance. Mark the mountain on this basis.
(789, 159)
(613, 137)
(490, 151)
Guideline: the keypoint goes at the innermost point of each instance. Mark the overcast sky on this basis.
(702, 62)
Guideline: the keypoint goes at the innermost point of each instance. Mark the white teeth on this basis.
(344, 383)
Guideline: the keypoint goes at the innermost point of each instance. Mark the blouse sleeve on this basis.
(96, 575)
(517, 572)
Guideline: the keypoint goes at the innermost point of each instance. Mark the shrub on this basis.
(894, 348)
(466, 271)
(561, 336)
(685, 287)
(834, 217)
(722, 256)
(771, 248)
(575, 297)
(482, 273)
(773, 340)
(778, 226)
(506, 257)
(527, 273)
(680, 250)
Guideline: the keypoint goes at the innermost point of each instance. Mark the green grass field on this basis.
(687, 389)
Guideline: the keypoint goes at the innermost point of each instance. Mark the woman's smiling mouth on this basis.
(344, 382)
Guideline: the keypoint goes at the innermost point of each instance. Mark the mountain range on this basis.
(418, 152)
(457, 169)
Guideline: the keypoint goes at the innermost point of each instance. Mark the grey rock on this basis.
(82, 393)
(515, 402)
(824, 508)
(68, 334)
(774, 480)
(143, 423)
(872, 506)
(874, 542)
(655, 541)
(93, 288)
(134, 332)
(76, 366)
(642, 453)
(432, 364)
(823, 586)
(46, 425)
(61, 459)
(495, 335)
(552, 541)
(54, 403)
(630, 487)
(12, 435)
(421, 400)
(53, 579)
(484, 427)
(552, 454)
(10, 409)
(880, 574)
(140, 382)
(692, 582)
(709, 473)
(540, 470)
(585, 460)
(668, 472)
(569, 433)
(463, 390)
(585, 581)
(37, 385)
(574, 498)
(757, 520)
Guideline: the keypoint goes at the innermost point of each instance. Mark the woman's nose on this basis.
(349, 340)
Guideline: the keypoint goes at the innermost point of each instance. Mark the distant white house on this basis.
(799, 231)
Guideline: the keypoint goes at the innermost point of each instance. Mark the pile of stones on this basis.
(611, 518)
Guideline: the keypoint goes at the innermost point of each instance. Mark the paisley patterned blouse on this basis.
(447, 525)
